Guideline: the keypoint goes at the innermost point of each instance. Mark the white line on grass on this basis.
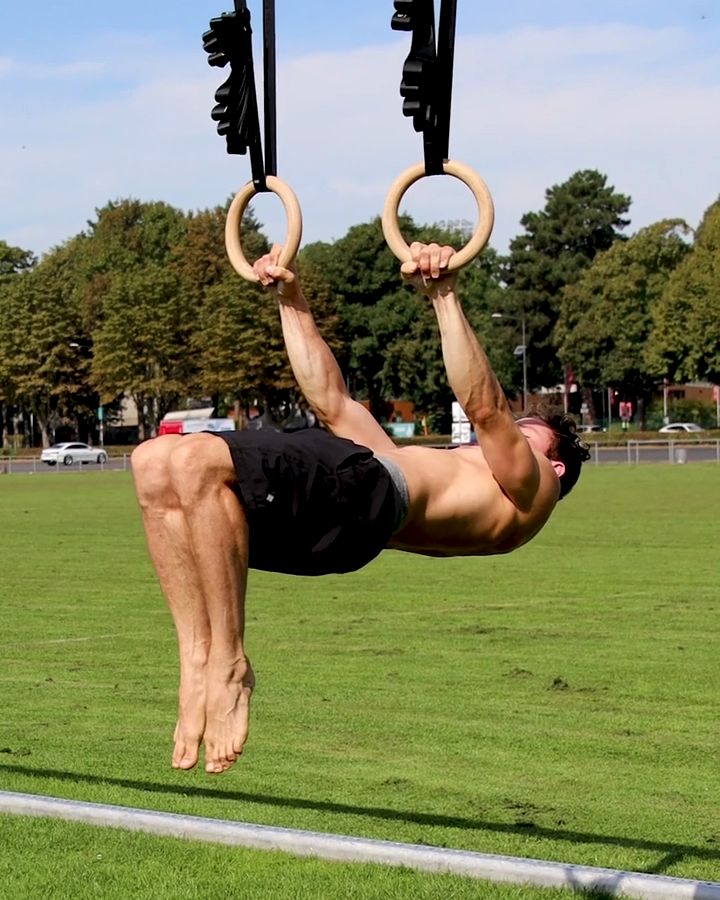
(350, 849)
(70, 640)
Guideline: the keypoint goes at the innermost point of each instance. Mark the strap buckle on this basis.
(426, 86)
(229, 40)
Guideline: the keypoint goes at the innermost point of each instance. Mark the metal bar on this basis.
(270, 93)
(343, 848)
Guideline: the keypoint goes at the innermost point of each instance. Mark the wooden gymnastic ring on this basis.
(234, 220)
(486, 212)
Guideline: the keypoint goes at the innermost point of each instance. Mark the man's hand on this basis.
(427, 270)
(284, 281)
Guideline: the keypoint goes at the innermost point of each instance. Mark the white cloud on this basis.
(530, 107)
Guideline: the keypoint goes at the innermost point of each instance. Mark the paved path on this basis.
(33, 465)
(634, 453)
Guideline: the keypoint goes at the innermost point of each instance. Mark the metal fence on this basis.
(31, 465)
(675, 452)
(633, 453)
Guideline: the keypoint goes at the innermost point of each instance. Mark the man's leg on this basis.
(215, 684)
(168, 540)
(201, 472)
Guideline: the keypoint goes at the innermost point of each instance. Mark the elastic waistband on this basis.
(400, 489)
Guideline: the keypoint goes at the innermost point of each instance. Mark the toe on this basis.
(185, 754)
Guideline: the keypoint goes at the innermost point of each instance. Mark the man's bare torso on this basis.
(457, 507)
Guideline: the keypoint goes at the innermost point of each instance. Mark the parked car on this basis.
(586, 429)
(71, 452)
(675, 427)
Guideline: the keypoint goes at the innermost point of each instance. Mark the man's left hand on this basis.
(427, 270)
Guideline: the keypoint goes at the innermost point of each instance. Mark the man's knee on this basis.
(150, 467)
(199, 465)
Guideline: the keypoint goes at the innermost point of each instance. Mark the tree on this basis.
(236, 338)
(39, 322)
(605, 316)
(414, 366)
(390, 334)
(199, 255)
(136, 310)
(362, 272)
(240, 346)
(14, 260)
(142, 347)
(126, 235)
(582, 217)
(685, 339)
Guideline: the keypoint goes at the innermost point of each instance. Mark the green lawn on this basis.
(557, 703)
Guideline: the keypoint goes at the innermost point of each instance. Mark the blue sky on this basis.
(101, 101)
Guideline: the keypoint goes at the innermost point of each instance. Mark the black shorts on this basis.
(316, 504)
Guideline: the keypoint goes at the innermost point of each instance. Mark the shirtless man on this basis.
(322, 501)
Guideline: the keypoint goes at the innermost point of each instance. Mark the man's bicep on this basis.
(511, 461)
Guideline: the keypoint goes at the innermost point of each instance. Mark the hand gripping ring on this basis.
(486, 212)
(234, 219)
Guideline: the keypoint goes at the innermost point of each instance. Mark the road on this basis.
(635, 453)
(33, 465)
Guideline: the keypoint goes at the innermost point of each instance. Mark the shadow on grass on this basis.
(671, 853)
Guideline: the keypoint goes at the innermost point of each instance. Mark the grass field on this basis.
(557, 703)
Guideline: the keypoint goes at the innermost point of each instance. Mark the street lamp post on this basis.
(520, 350)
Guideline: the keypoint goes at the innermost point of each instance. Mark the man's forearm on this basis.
(468, 369)
(312, 361)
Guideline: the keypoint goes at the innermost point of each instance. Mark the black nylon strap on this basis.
(229, 40)
(270, 93)
(426, 86)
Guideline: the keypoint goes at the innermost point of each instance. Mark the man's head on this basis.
(556, 436)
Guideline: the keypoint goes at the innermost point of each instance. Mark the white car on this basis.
(674, 427)
(72, 452)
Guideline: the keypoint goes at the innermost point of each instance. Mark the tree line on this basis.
(144, 303)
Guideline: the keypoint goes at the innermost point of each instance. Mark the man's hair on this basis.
(566, 447)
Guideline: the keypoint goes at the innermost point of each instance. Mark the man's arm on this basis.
(313, 363)
(472, 379)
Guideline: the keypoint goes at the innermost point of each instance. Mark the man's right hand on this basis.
(427, 270)
(284, 281)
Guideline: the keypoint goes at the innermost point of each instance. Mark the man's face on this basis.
(538, 434)
(540, 437)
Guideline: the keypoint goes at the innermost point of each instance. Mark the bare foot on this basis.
(228, 715)
(191, 720)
